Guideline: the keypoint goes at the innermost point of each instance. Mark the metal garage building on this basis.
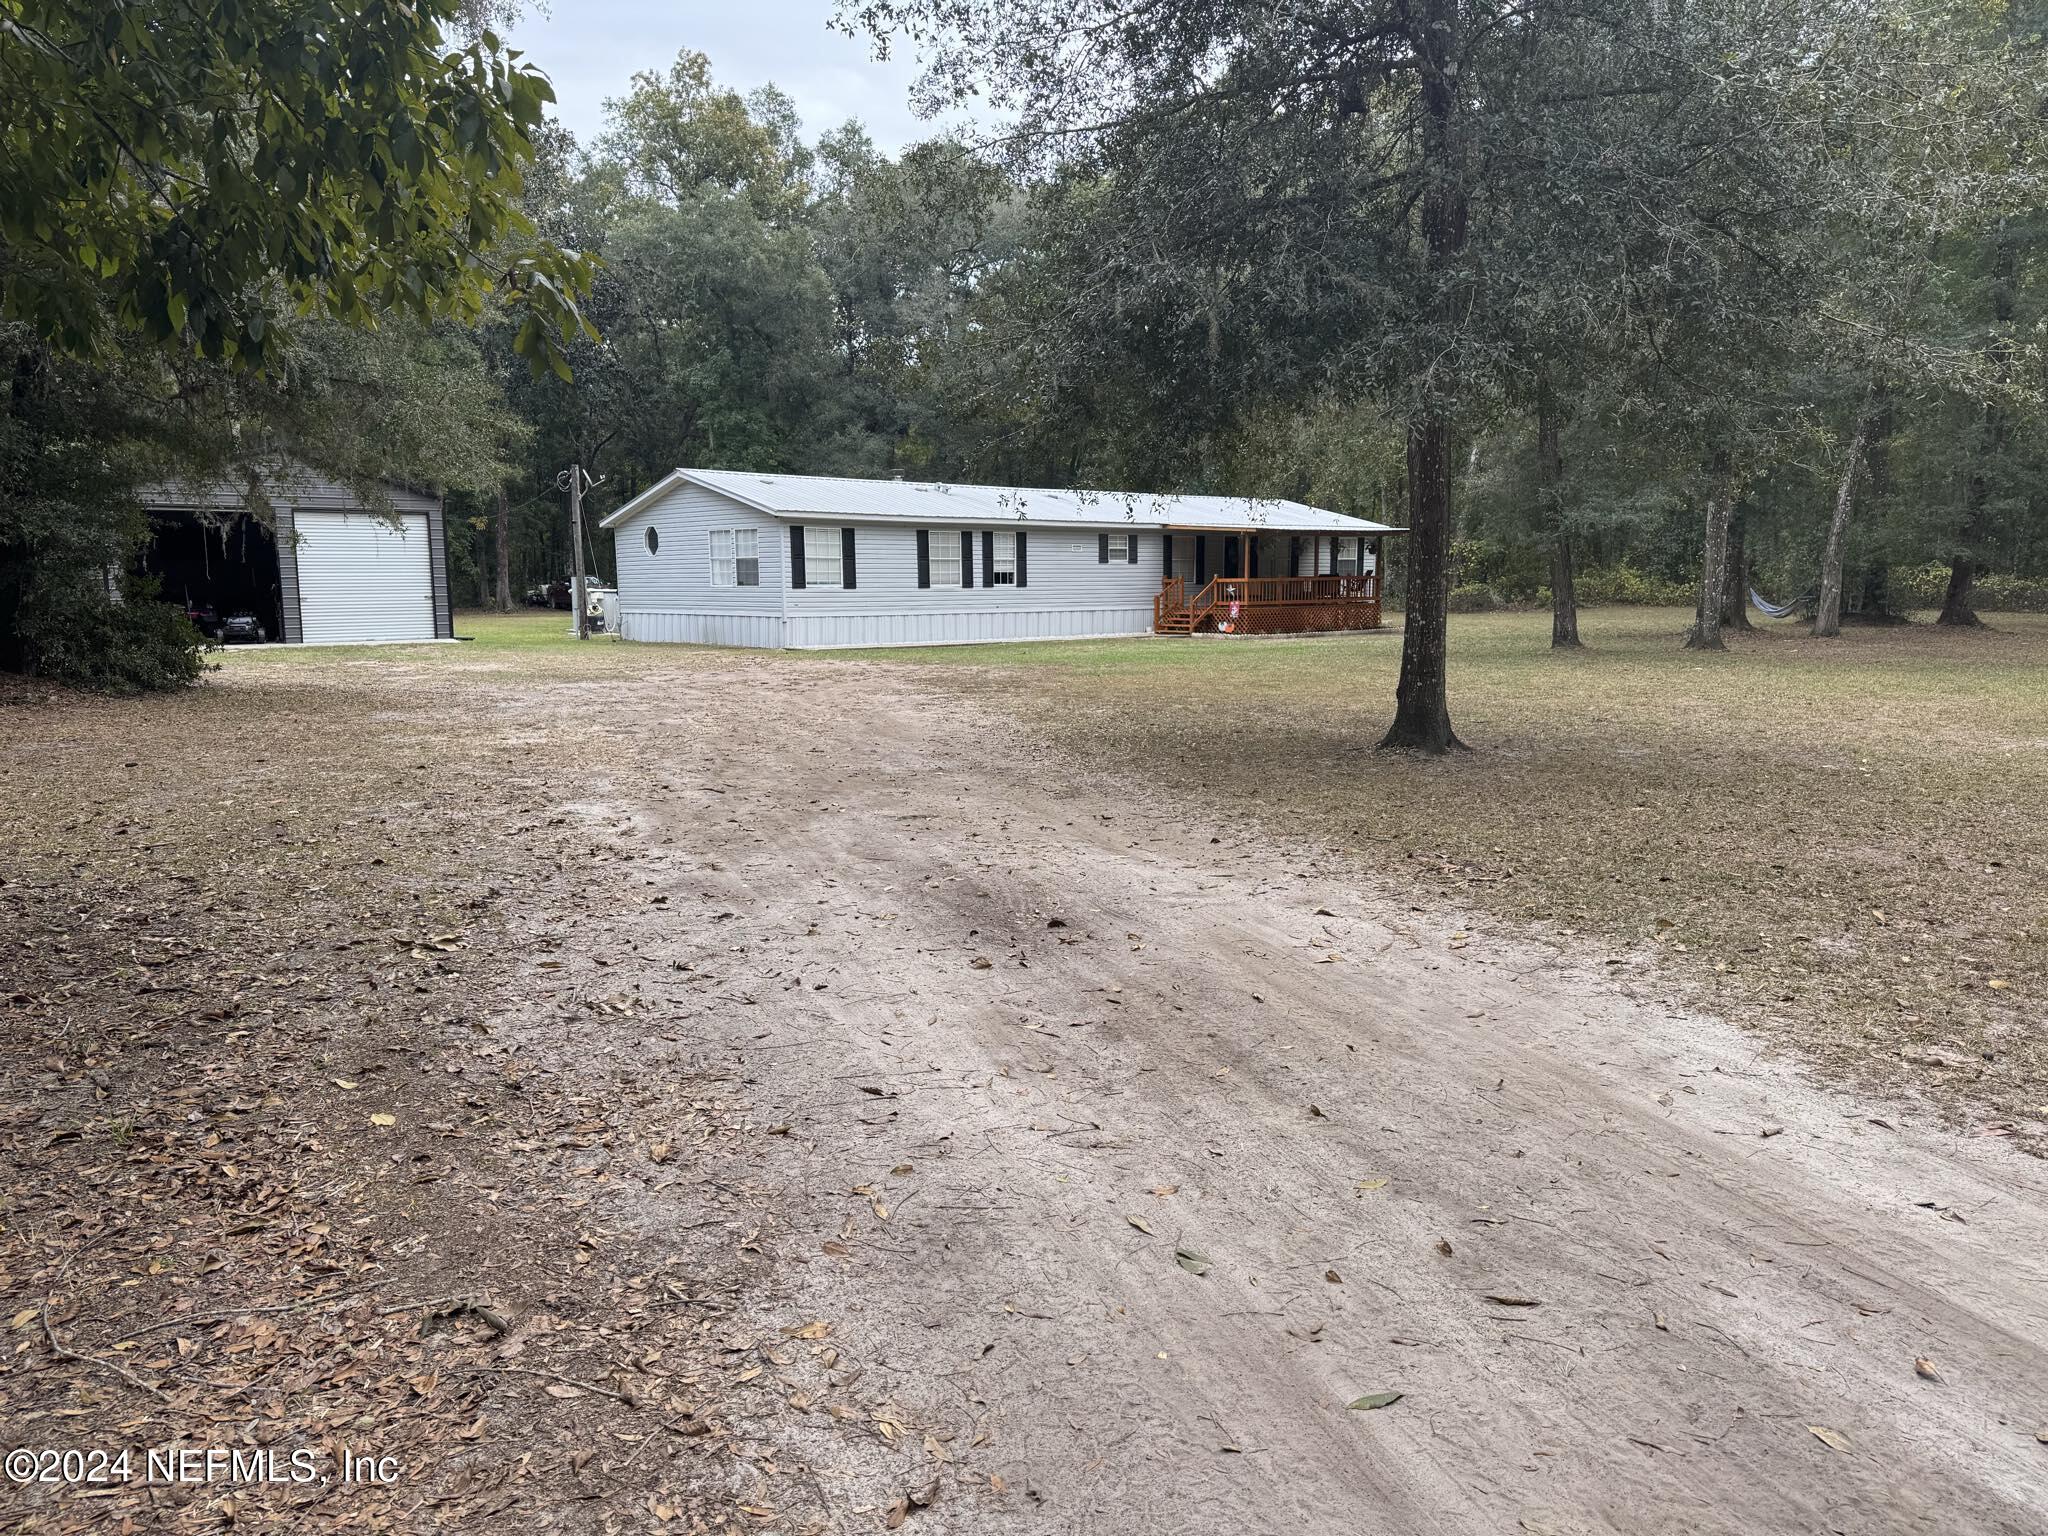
(326, 570)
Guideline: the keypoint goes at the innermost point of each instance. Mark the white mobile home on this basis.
(728, 557)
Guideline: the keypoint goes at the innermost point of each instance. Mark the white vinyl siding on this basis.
(821, 557)
(361, 578)
(669, 596)
(1067, 592)
(944, 544)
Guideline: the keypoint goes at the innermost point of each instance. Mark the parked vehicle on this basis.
(242, 629)
(205, 618)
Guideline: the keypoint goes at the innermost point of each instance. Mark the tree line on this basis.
(1591, 295)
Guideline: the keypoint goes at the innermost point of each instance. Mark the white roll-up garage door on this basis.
(362, 579)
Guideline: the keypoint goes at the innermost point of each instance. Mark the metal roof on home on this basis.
(912, 501)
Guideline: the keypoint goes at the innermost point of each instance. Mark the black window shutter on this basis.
(1102, 549)
(966, 558)
(1023, 571)
(1201, 559)
(846, 559)
(1166, 555)
(796, 555)
(988, 558)
(924, 557)
(1294, 556)
(1131, 547)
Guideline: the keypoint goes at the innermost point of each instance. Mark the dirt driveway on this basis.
(1089, 1159)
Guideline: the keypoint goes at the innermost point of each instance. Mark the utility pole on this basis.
(576, 539)
(576, 482)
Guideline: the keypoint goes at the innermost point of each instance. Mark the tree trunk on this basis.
(483, 571)
(1422, 714)
(1955, 603)
(1564, 598)
(1706, 628)
(1735, 579)
(1827, 617)
(504, 552)
(1422, 711)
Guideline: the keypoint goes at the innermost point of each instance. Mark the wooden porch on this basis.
(1268, 605)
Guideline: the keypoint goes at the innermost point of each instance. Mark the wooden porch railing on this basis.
(1269, 604)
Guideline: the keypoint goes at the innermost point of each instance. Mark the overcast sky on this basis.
(592, 48)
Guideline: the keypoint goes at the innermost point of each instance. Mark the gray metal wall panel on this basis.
(437, 566)
(288, 577)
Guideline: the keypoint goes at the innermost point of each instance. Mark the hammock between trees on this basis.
(1769, 609)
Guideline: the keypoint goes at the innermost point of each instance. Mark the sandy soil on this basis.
(864, 1122)
(1012, 1041)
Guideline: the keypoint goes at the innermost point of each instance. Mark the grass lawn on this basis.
(1843, 843)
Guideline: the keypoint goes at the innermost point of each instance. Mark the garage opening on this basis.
(225, 573)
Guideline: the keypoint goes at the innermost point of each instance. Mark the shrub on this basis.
(1924, 586)
(1625, 584)
(72, 632)
(1474, 597)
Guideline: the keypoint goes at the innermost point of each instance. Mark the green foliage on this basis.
(1624, 584)
(1997, 592)
(71, 630)
(200, 174)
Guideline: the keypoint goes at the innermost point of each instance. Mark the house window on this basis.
(821, 557)
(653, 540)
(945, 557)
(735, 557)
(1119, 547)
(1347, 557)
(1002, 571)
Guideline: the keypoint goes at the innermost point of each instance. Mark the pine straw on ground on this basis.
(1843, 845)
(289, 1168)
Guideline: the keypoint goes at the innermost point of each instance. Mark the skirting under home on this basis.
(730, 557)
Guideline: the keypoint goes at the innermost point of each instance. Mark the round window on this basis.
(653, 541)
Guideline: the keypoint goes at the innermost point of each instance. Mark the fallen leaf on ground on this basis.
(383, 1119)
(1925, 1369)
(1140, 1223)
(1374, 1400)
(1333, 1277)
(1514, 1301)
(1833, 1439)
(1191, 1261)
